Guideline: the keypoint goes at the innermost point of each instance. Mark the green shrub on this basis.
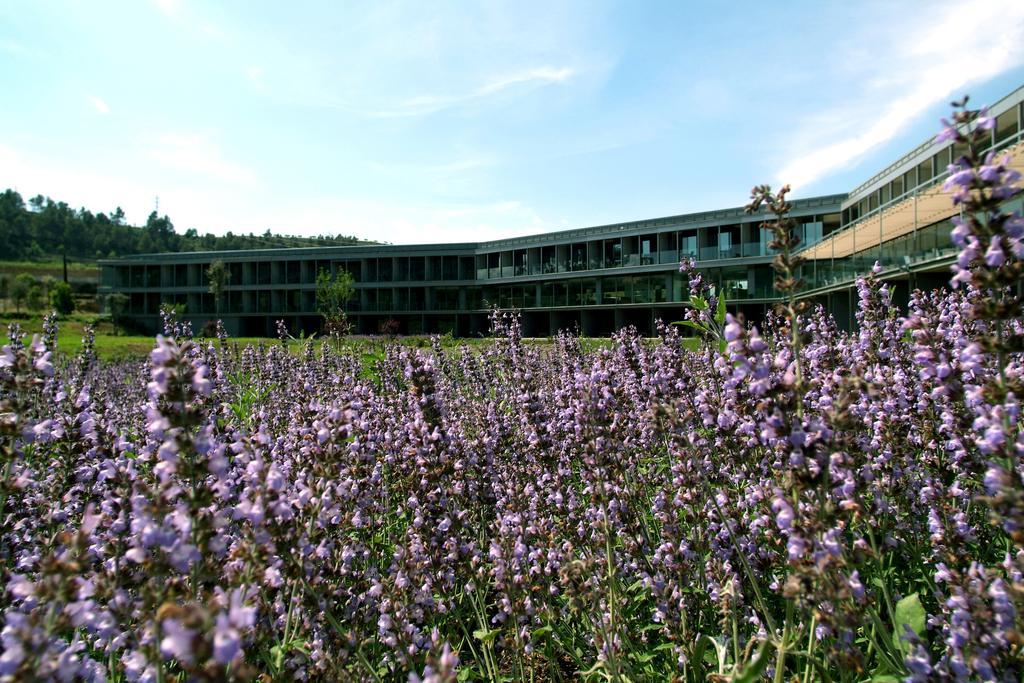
(61, 299)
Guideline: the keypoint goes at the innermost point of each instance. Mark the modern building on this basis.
(594, 279)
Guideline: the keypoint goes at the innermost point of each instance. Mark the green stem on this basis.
(366, 663)
(735, 638)
(3, 487)
(881, 570)
(810, 648)
(797, 370)
(780, 660)
(279, 659)
(481, 618)
(469, 640)
(610, 568)
(160, 663)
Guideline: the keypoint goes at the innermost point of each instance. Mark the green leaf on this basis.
(698, 653)
(886, 678)
(486, 636)
(718, 655)
(691, 324)
(881, 637)
(757, 667)
(720, 311)
(909, 613)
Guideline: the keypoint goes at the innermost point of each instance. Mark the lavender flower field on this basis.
(788, 502)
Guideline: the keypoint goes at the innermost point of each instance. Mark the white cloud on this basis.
(540, 75)
(99, 104)
(12, 47)
(169, 7)
(932, 63)
(255, 76)
(9, 159)
(192, 19)
(429, 104)
(461, 165)
(195, 154)
(444, 168)
(211, 30)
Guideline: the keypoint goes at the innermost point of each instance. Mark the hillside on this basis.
(44, 229)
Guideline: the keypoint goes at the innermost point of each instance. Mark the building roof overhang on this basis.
(923, 208)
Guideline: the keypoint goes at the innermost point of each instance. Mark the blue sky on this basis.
(430, 122)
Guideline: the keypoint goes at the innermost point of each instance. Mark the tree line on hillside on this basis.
(43, 228)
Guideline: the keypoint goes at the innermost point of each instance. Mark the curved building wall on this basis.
(594, 280)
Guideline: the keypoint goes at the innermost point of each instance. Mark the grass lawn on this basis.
(111, 344)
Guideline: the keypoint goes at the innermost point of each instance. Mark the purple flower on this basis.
(783, 514)
(961, 231)
(948, 132)
(994, 256)
(984, 121)
(227, 644)
(12, 657)
(958, 177)
(856, 587)
(136, 668)
(177, 641)
(240, 615)
(200, 384)
(43, 365)
(20, 587)
(796, 547)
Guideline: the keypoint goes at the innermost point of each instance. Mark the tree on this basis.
(49, 225)
(219, 276)
(117, 218)
(14, 223)
(61, 299)
(19, 290)
(5, 286)
(36, 297)
(117, 307)
(332, 295)
(161, 234)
